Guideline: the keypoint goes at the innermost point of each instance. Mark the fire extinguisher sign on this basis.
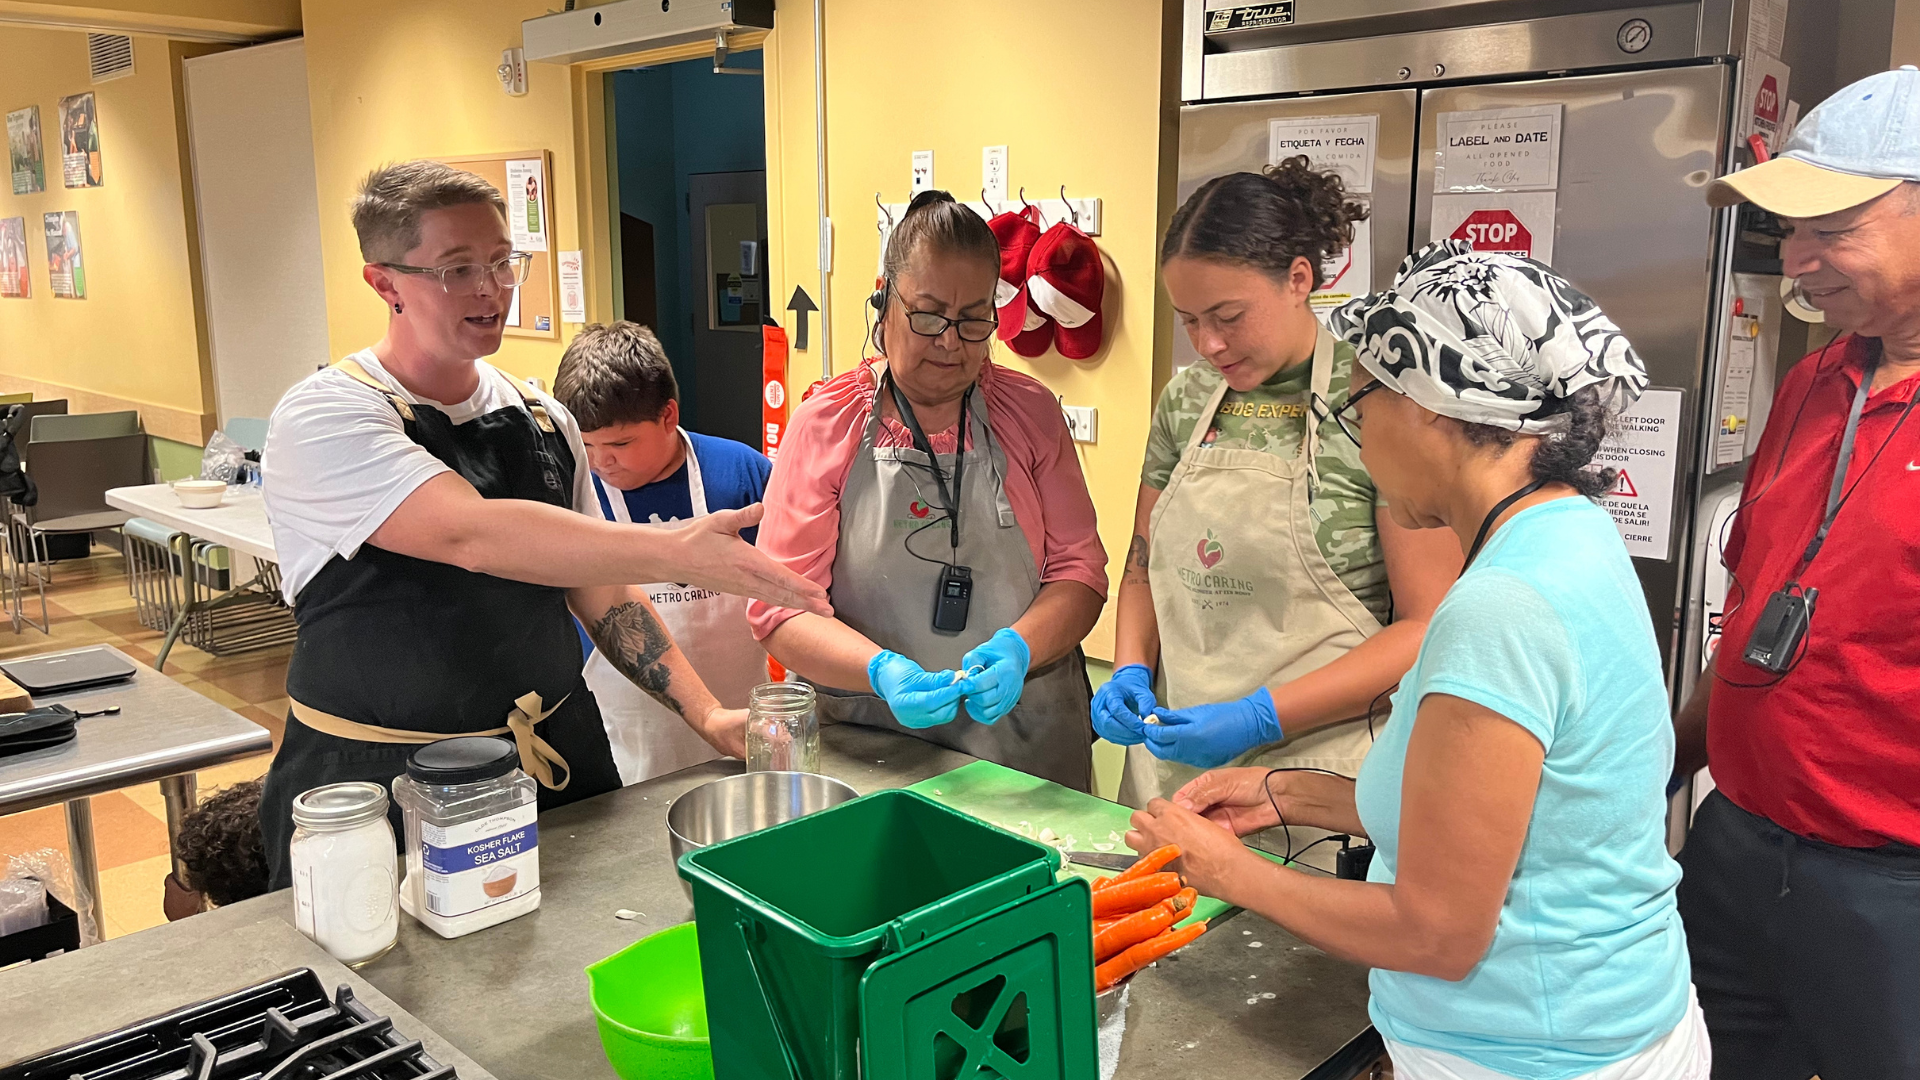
(1515, 222)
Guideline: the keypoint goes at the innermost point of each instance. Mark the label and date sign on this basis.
(1514, 149)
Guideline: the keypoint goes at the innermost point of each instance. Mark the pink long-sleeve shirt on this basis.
(1044, 483)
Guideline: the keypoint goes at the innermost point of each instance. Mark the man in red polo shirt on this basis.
(1802, 890)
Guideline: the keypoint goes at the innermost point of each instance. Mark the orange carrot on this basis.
(1102, 924)
(1141, 955)
(1132, 930)
(1102, 882)
(1131, 896)
(1150, 863)
(1183, 901)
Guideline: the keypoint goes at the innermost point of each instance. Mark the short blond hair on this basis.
(388, 206)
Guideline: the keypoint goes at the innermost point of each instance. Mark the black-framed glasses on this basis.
(463, 279)
(1347, 418)
(933, 324)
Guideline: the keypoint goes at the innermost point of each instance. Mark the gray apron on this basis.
(886, 593)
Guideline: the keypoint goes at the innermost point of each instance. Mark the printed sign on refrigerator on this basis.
(1518, 222)
(1514, 149)
(1348, 274)
(1341, 144)
(1735, 414)
(573, 288)
(1645, 448)
(526, 204)
(1763, 100)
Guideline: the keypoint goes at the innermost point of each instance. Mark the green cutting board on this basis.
(1026, 805)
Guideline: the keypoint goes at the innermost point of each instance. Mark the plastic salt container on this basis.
(472, 835)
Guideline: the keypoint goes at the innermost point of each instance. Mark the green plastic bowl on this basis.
(652, 1009)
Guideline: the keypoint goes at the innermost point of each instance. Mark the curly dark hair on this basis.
(1564, 457)
(1266, 219)
(221, 847)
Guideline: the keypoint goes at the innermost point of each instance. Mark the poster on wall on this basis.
(79, 141)
(1645, 448)
(1340, 144)
(1514, 149)
(15, 283)
(573, 290)
(526, 204)
(66, 272)
(1763, 101)
(25, 155)
(1514, 222)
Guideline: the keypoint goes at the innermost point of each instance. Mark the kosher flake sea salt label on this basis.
(477, 864)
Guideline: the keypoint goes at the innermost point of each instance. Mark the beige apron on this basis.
(1243, 595)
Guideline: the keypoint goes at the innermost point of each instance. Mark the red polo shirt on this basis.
(1830, 751)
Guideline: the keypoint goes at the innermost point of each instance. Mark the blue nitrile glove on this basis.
(1122, 705)
(919, 698)
(1208, 736)
(993, 693)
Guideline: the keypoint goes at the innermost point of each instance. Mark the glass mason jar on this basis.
(345, 890)
(783, 731)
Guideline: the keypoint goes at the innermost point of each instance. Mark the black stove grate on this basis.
(283, 1029)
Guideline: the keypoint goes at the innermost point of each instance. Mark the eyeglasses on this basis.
(462, 279)
(933, 324)
(1347, 418)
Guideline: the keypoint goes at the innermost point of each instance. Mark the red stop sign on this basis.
(1495, 230)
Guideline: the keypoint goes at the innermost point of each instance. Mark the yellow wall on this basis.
(137, 335)
(1077, 91)
(416, 79)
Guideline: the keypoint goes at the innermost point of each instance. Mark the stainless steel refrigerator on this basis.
(1645, 98)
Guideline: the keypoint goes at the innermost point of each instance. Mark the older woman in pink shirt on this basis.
(939, 500)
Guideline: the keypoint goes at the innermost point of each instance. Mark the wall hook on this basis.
(1075, 214)
(884, 212)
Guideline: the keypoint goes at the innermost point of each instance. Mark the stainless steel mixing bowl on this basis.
(737, 805)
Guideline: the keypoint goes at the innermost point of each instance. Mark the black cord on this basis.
(1794, 587)
(1285, 831)
(1374, 707)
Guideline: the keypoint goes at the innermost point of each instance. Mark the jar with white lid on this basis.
(472, 835)
(344, 884)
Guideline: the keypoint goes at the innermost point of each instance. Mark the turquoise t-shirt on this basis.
(1588, 963)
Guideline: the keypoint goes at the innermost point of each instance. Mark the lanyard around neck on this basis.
(1834, 499)
(1486, 524)
(922, 444)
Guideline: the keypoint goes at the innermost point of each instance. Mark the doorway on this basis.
(691, 177)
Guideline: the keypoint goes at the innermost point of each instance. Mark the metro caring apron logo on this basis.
(1202, 582)
(920, 515)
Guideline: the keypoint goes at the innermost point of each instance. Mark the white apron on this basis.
(1243, 595)
(648, 738)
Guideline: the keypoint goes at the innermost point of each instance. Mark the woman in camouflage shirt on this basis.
(1264, 577)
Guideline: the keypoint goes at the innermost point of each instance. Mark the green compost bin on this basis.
(896, 914)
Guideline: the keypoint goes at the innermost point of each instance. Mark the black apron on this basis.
(398, 642)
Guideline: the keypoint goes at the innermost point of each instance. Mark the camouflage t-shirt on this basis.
(1272, 418)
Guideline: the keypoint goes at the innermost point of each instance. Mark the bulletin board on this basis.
(540, 294)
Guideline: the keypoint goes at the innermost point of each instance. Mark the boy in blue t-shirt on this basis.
(647, 469)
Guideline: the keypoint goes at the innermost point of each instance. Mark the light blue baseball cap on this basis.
(1857, 145)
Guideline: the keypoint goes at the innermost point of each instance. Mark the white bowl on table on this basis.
(200, 494)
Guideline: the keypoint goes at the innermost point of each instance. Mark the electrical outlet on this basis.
(1083, 422)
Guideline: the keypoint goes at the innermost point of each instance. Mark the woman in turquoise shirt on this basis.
(1519, 914)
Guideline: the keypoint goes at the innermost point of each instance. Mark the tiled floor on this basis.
(89, 604)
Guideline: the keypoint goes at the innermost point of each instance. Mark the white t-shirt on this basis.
(338, 461)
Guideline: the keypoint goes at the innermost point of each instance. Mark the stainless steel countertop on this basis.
(53, 1003)
(163, 729)
(514, 996)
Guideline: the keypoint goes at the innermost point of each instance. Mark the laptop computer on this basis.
(68, 671)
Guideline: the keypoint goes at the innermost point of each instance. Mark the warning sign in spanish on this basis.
(1340, 144)
(1515, 222)
(1645, 448)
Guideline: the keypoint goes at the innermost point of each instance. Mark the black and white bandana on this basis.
(1489, 339)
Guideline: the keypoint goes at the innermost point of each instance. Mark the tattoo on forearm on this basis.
(1136, 571)
(637, 645)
